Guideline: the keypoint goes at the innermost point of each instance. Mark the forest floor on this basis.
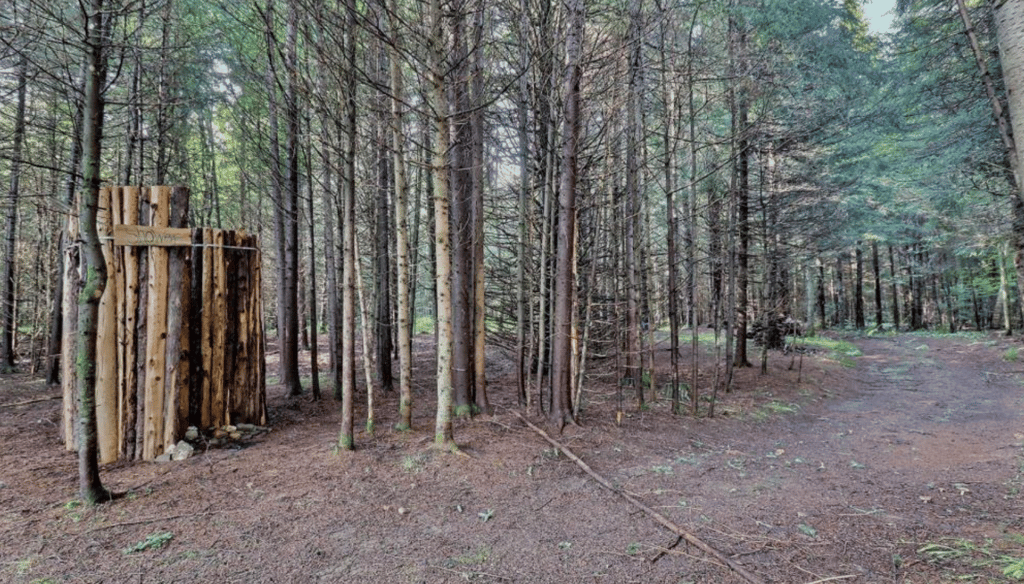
(903, 464)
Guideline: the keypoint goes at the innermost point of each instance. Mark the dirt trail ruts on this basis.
(849, 473)
(919, 443)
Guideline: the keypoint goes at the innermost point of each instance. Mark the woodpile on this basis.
(180, 335)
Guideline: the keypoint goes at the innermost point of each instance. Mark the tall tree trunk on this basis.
(133, 137)
(461, 215)
(346, 440)
(443, 434)
(382, 254)
(480, 400)
(97, 23)
(895, 290)
(314, 328)
(672, 223)
(632, 202)
(842, 309)
(561, 402)
(858, 289)
(290, 263)
(877, 267)
(276, 179)
(741, 128)
(329, 202)
(691, 231)
(525, 196)
(401, 228)
(821, 295)
(164, 105)
(7, 324)
(1009, 20)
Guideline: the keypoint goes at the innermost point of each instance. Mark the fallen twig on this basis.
(463, 573)
(657, 517)
(32, 401)
(663, 551)
(833, 578)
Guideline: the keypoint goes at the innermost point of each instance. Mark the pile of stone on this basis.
(216, 436)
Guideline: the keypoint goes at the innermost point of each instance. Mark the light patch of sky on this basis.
(879, 14)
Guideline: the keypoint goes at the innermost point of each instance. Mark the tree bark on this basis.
(634, 358)
(460, 174)
(7, 324)
(742, 194)
(289, 341)
(858, 290)
(382, 255)
(561, 402)
(346, 438)
(1009, 20)
(443, 433)
(672, 223)
(93, 266)
(479, 306)
(401, 229)
(877, 267)
(895, 290)
(525, 195)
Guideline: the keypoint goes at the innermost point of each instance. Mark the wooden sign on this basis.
(155, 236)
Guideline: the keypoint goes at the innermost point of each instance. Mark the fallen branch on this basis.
(657, 517)
(32, 401)
(833, 579)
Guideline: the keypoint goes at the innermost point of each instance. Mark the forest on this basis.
(570, 182)
(620, 225)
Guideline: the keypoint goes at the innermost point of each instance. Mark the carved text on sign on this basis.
(153, 236)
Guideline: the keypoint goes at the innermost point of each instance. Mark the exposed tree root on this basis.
(657, 517)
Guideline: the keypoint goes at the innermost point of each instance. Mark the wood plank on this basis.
(106, 341)
(130, 259)
(221, 401)
(156, 333)
(140, 235)
(117, 207)
(196, 375)
(234, 392)
(142, 328)
(242, 269)
(176, 361)
(208, 417)
(261, 333)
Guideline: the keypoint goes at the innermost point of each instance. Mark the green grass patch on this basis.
(471, 558)
(842, 351)
(773, 408)
(413, 463)
(153, 541)
(423, 325)
(967, 560)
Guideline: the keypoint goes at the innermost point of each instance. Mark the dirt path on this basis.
(904, 467)
(909, 472)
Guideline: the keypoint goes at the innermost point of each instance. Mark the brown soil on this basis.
(904, 467)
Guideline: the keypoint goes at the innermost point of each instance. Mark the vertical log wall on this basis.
(180, 339)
